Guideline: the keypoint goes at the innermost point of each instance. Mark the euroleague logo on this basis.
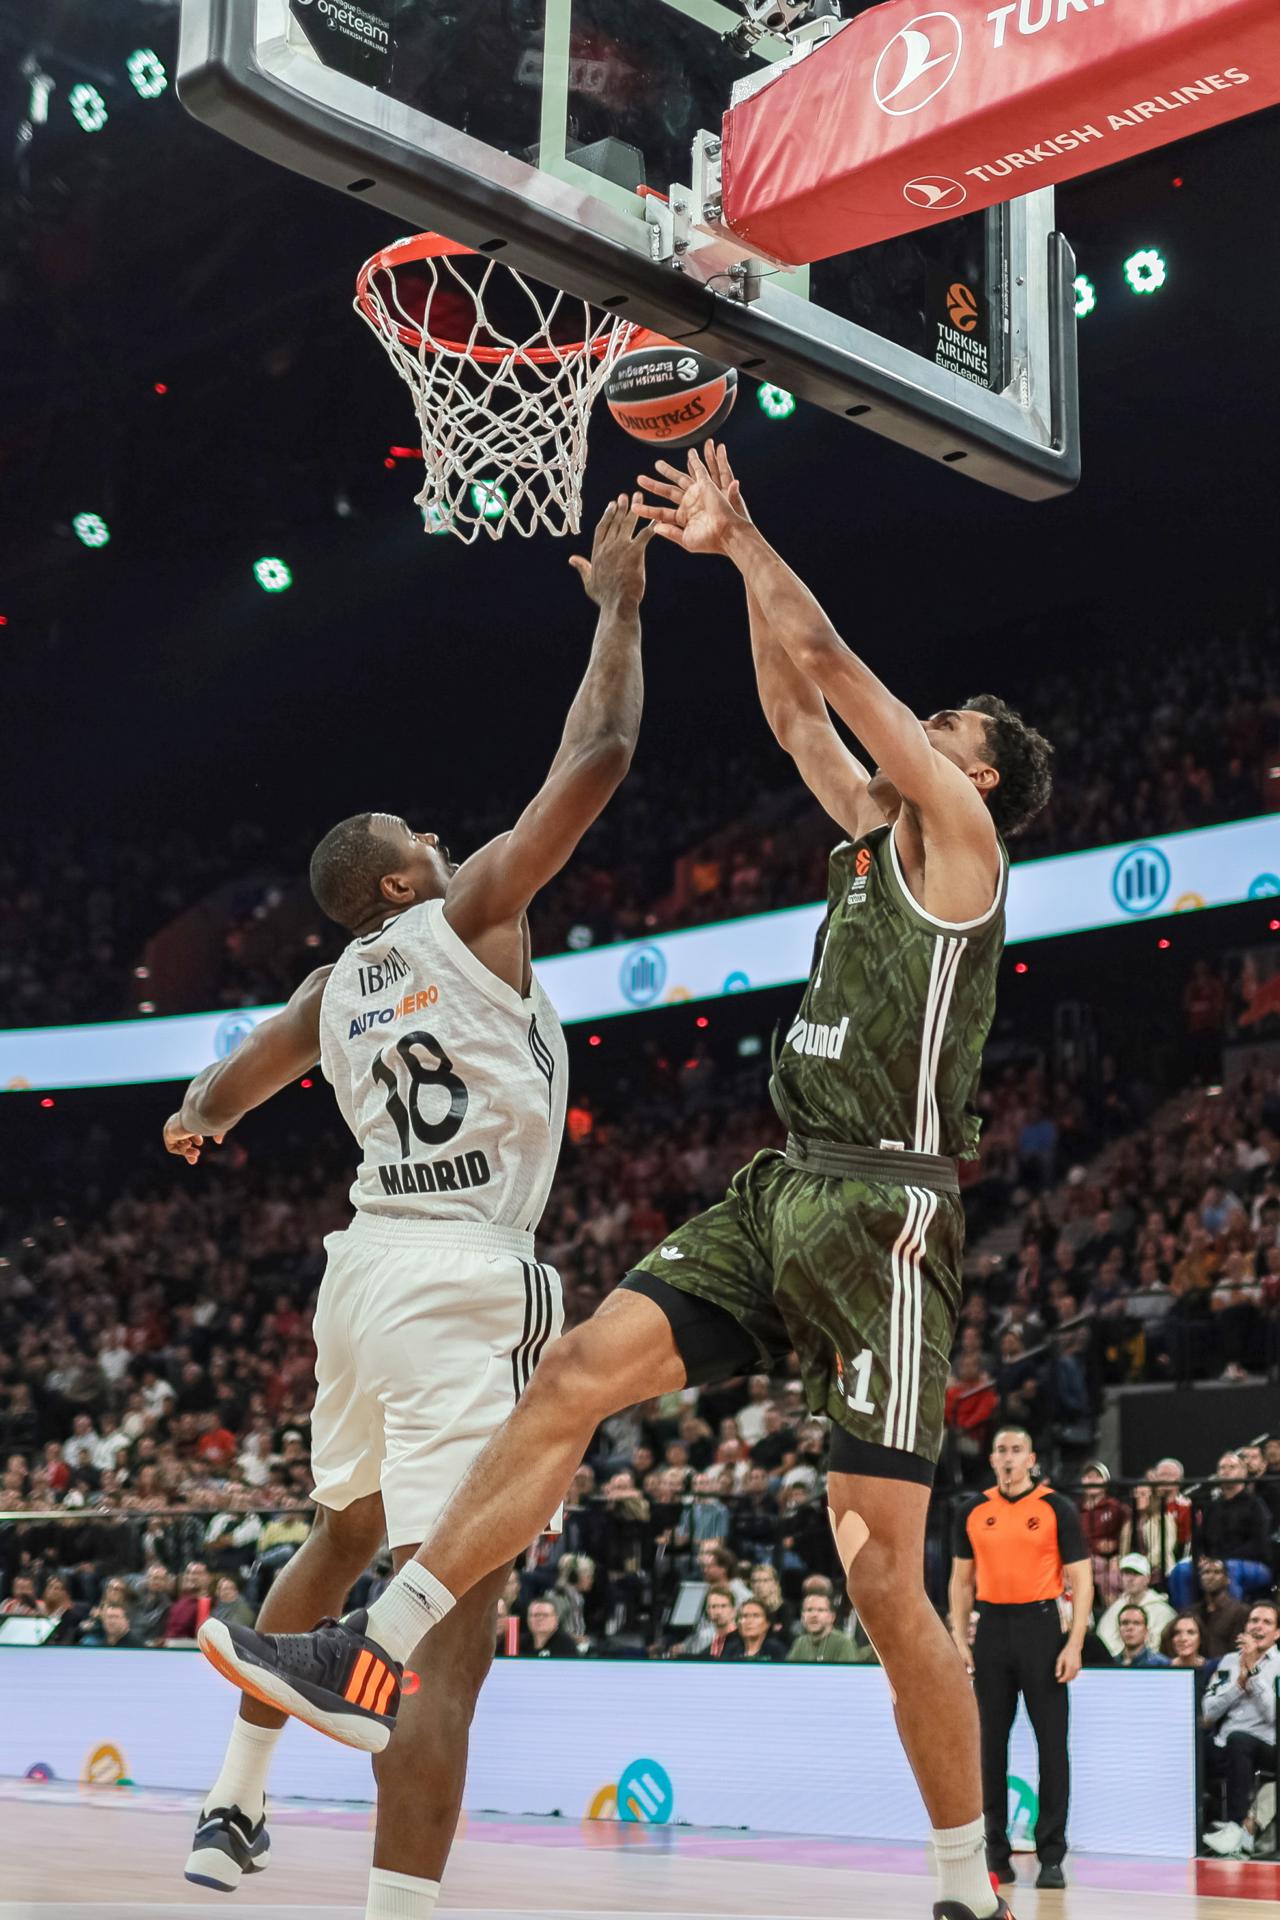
(862, 865)
(962, 307)
(918, 63)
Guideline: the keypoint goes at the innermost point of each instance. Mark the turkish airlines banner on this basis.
(911, 114)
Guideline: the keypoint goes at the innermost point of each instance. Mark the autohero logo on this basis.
(918, 63)
(935, 192)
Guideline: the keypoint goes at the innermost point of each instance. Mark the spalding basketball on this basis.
(669, 395)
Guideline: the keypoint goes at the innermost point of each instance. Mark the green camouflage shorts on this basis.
(861, 1278)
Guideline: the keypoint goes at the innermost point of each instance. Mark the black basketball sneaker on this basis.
(227, 1845)
(956, 1910)
(334, 1678)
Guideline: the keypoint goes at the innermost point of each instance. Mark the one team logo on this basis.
(918, 63)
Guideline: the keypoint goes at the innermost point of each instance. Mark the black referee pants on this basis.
(1015, 1652)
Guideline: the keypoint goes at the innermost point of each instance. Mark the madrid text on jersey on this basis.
(436, 1176)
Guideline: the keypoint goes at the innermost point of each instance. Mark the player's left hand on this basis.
(180, 1140)
(1067, 1667)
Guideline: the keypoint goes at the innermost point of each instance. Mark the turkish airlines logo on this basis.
(918, 63)
(935, 192)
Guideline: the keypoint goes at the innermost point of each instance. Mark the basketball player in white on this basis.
(448, 1064)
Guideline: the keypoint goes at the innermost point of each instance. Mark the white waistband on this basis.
(477, 1235)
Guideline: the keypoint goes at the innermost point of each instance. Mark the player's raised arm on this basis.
(495, 885)
(794, 708)
(269, 1058)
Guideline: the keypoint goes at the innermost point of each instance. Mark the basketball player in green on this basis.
(845, 1248)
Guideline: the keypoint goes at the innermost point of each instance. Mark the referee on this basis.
(1015, 1547)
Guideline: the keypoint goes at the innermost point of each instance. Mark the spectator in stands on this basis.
(969, 1409)
(68, 1618)
(765, 1588)
(1135, 1582)
(1234, 1524)
(751, 1418)
(1222, 1617)
(1135, 1651)
(1264, 1481)
(1182, 1642)
(547, 1638)
(719, 1568)
(1106, 1522)
(577, 1596)
(754, 1639)
(22, 1598)
(231, 1605)
(820, 1640)
(192, 1607)
(710, 1636)
(1159, 1520)
(708, 1518)
(112, 1629)
(152, 1604)
(1240, 1709)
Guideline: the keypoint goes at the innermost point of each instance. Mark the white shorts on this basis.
(426, 1334)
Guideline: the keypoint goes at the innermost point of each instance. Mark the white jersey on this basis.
(453, 1084)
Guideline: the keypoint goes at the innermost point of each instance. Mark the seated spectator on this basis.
(819, 1639)
(1182, 1642)
(547, 1638)
(1240, 1709)
(22, 1597)
(1135, 1582)
(1161, 1526)
(68, 1618)
(192, 1607)
(751, 1418)
(719, 1568)
(766, 1589)
(754, 1639)
(1106, 1523)
(231, 1604)
(707, 1518)
(1234, 1524)
(112, 1629)
(968, 1411)
(1131, 1625)
(709, 1637)
(152, 1602)
(1222, 1617)
(755, 1518)
(577, 1596)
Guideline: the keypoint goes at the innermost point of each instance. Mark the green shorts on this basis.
(860, 1278)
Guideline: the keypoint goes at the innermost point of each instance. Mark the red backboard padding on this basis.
(923, 109)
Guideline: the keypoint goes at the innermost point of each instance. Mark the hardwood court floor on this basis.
(69, 1855)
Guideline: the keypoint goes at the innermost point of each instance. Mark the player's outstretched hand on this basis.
(180, 1140)
(615, 571)
(706, 501)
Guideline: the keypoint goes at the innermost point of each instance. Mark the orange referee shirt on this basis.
(1019, 1546)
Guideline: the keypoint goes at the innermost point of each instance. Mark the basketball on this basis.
(669, 395)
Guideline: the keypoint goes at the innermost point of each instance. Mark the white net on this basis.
(503, 376)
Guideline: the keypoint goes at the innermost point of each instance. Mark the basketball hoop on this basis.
(503, 376)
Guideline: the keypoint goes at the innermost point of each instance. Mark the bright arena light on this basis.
(272, 575)
(1086, 296)
(775, 401)
(147, 72)
(1146, 270)
(92, 529)
(488, 499)
(88, 107)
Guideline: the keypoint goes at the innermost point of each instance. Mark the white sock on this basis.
(961, 1857)
(398, 1896)
(414, 1602)
(243, 1780)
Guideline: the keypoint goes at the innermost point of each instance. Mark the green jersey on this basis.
(887, 1046)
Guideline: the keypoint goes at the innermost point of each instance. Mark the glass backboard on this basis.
(527, 129)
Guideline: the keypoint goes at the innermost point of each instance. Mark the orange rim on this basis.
(435, 246)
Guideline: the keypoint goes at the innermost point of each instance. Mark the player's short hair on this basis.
(1010, 1426)
(1021, 757)
(722, 1593)
(1131, 1606)
(346, 868)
